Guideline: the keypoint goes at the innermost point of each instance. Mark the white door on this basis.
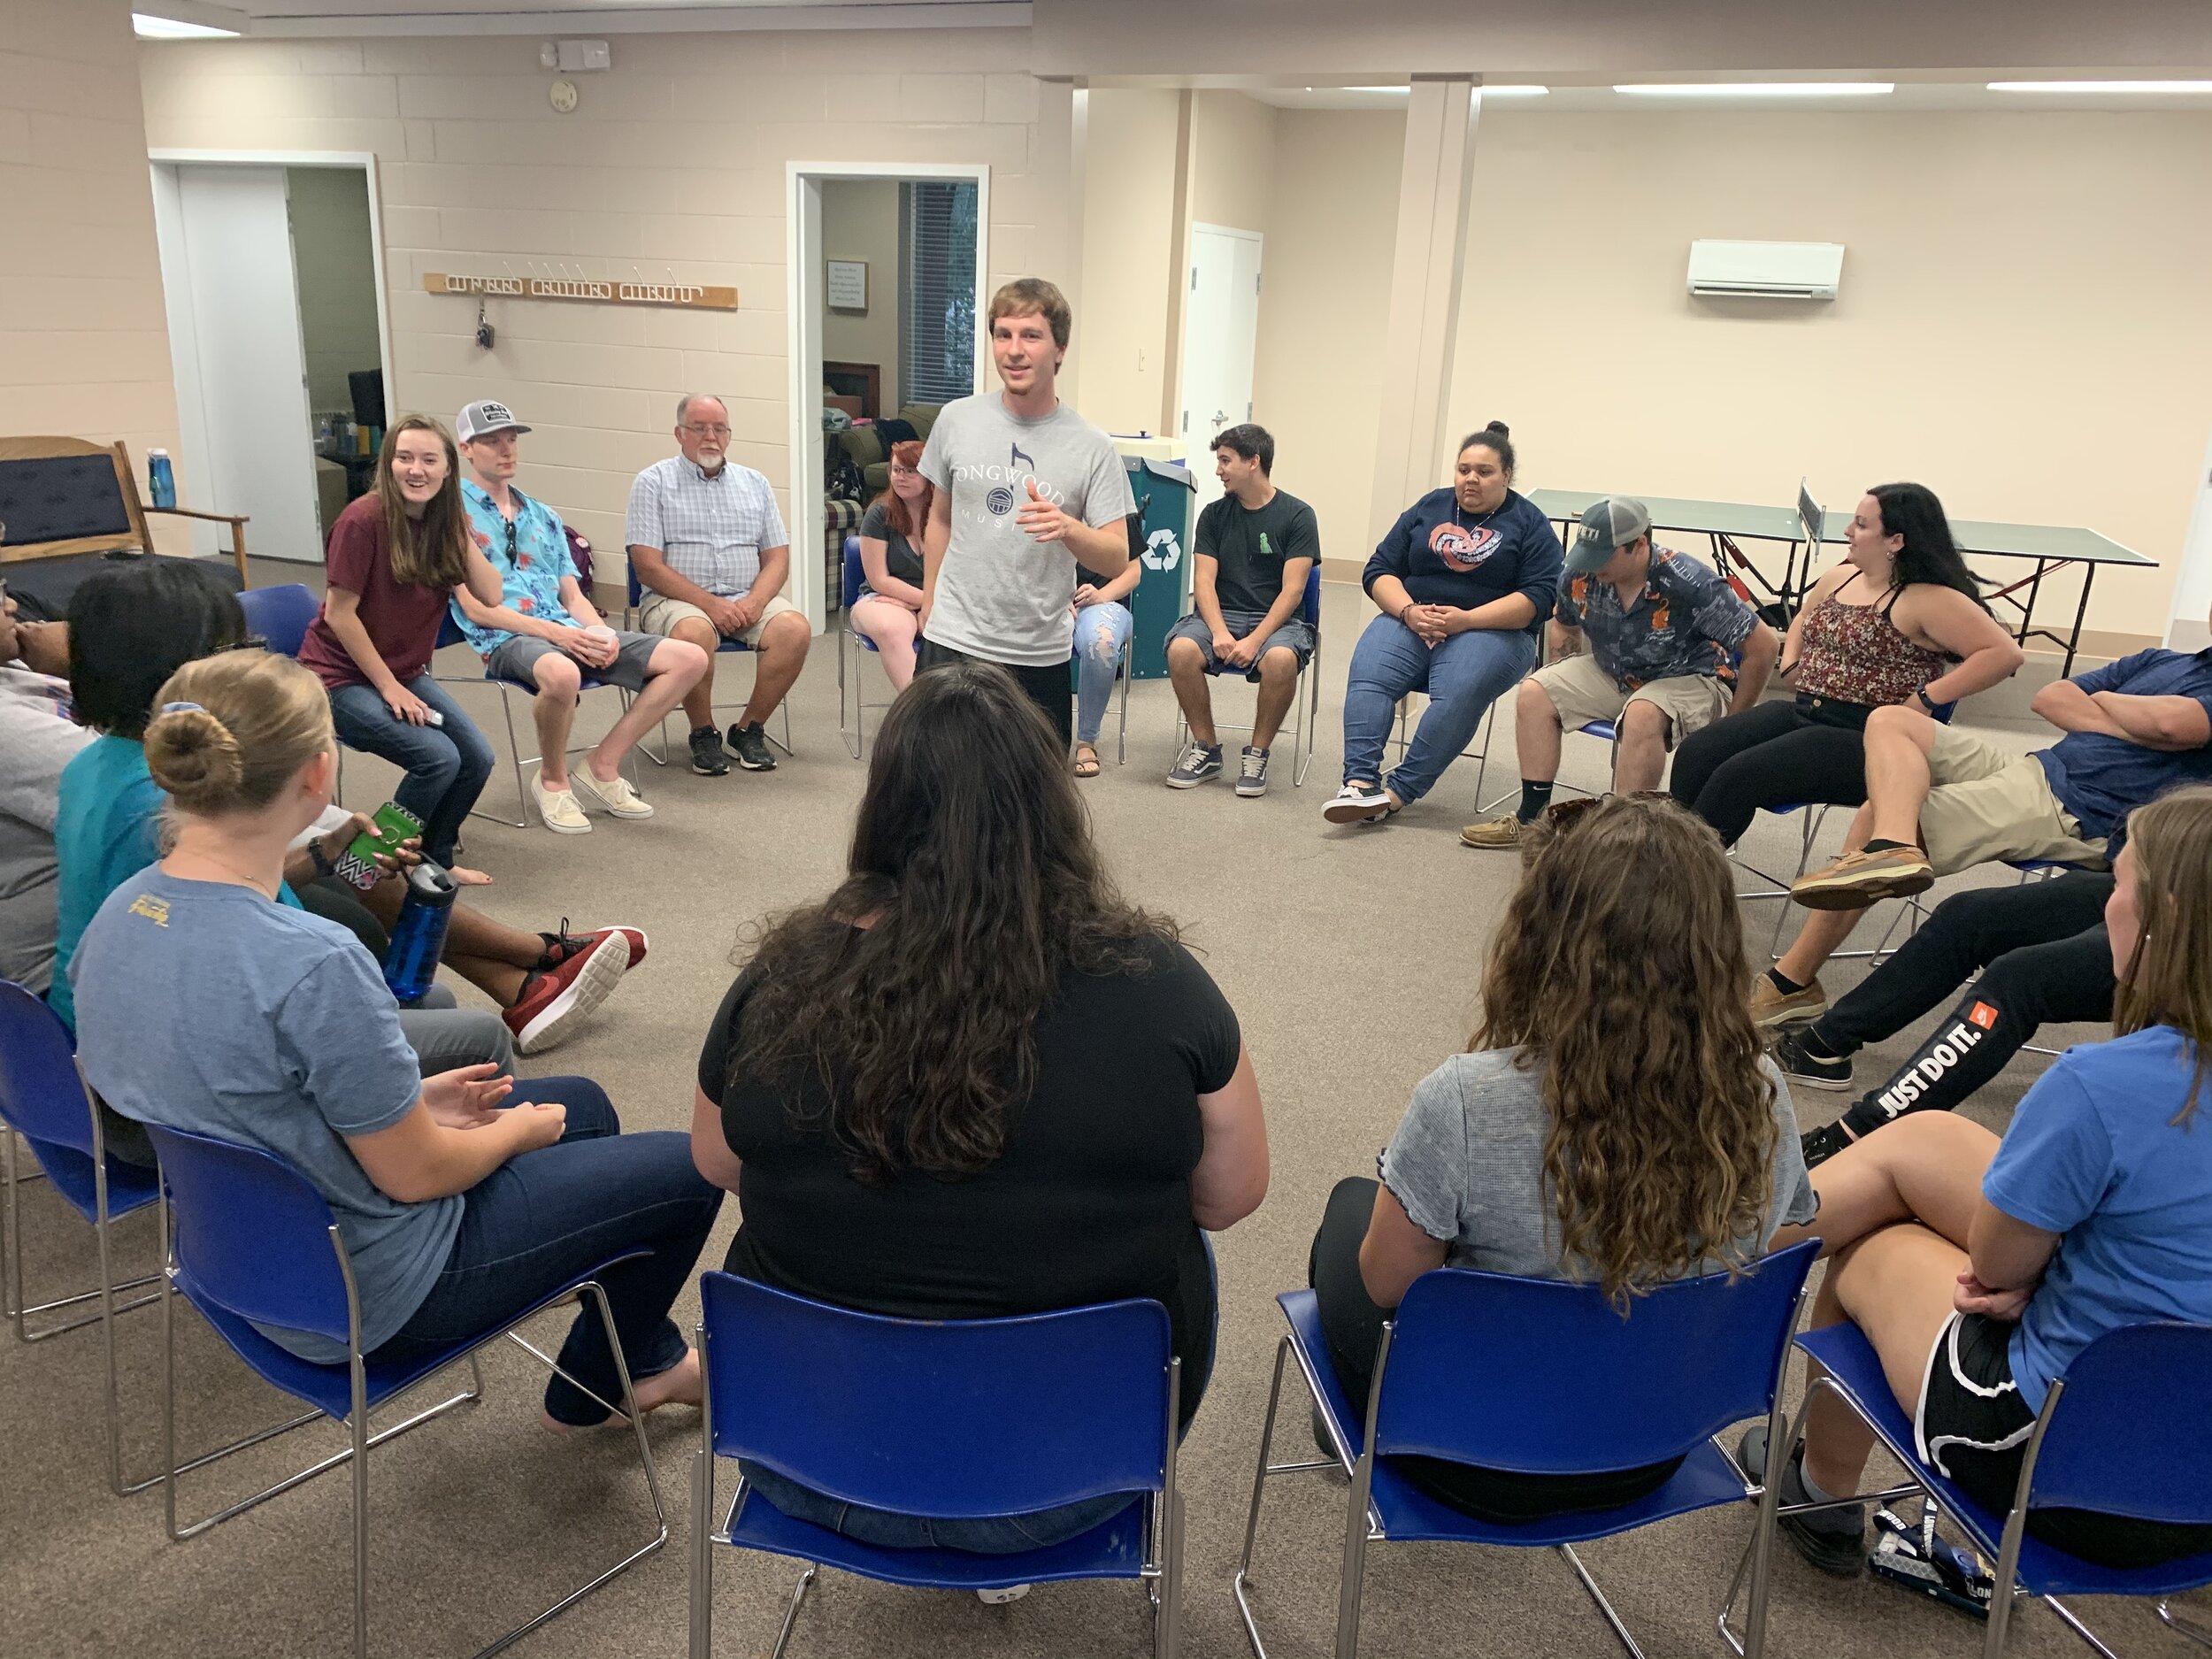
(1221, 324)
(2193, 594)
(241, 364)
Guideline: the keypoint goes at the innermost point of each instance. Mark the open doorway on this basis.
(270, 272)
(888, 264)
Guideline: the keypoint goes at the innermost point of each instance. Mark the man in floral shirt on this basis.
(545, 634)
(1660, 630)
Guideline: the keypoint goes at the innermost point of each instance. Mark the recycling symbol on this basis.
(1162, 551)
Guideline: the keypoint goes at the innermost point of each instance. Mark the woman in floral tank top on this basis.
(1899, 620)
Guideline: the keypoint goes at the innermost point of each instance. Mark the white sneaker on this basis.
(1358, 803)
(617, 797)
(559, 809)
(1000, 1598)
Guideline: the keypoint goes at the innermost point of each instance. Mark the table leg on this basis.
(2027, 611)
(2081, 611)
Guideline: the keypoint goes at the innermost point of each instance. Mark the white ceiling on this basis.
(1910, 95)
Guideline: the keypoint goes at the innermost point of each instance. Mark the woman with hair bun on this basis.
(1465, 581)
(206, 1006)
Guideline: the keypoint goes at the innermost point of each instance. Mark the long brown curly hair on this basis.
(975, 883)
(2168, 980)
(1620, 969)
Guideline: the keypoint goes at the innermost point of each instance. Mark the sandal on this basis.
(1086, 768)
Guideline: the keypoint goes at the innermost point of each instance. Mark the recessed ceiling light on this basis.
(1514, 92)
(1760, 89)
(154, 28)
(2100, 86)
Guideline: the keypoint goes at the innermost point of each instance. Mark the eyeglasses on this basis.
(699, 431)
(906, 471)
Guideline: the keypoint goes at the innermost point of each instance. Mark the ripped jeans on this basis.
(1101, 631)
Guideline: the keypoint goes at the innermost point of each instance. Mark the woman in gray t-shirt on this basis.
(1615, 1115)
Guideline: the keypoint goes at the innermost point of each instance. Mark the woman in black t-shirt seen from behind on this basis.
(981, 1154)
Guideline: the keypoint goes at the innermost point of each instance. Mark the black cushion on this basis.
(59, 497)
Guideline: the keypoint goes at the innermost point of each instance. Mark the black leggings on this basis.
(2045, 956)
(1049, 687)
(1352, 1325)
(1775, 755)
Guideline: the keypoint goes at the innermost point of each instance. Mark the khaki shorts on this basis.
(1583, 692)
(659, 614)
(1986, 804)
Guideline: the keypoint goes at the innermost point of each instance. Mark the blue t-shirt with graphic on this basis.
(203, 1007)
(1687, 620)
(2100, 780)
(1448, 557)
(2094, 1153)
(531, 569)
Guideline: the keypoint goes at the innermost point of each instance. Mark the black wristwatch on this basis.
(316, 857)
(1926, 701)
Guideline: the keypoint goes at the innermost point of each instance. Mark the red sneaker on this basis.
(561, 946)
(555, 1001)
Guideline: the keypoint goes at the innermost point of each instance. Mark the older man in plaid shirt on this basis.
(710, 550)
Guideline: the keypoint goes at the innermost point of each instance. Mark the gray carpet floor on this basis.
(1352, 958)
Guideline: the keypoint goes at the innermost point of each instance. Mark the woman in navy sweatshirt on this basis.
(1465, 581)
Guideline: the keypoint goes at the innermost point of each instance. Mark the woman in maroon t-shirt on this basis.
(395, 556)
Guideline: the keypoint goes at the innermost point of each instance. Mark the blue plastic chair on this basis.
(1541, 1376)
(636, 591)
(253, 1243)
(848, 636)
(449, 634)
(44, 1099)
(962, 1419)
(2087, 1451)
(1306, 705)
(281, 615)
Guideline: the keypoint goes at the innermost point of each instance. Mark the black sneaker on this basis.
(1835, 1550)
(1800, 1064)
(1824, 1142)
(707, 758)
(752, 744)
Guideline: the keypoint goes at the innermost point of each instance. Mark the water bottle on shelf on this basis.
(410, 962)
(161, 481)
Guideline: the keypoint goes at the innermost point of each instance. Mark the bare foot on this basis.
(678, 1386)
(462, 876)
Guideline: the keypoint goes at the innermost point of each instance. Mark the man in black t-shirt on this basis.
(1255, 547)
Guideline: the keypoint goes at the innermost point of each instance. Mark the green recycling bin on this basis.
(1164, 493)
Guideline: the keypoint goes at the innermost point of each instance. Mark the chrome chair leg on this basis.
(2088, 1636)
(791, 1613)
(1605, 1607)
(2187, 1627)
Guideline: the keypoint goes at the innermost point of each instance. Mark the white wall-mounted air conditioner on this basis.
(1766, 270)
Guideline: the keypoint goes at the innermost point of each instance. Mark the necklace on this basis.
(241, 878)
(1481, 519)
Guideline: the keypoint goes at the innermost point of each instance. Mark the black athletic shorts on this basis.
(1972, 1425)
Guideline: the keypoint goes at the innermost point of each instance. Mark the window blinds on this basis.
(937, 291)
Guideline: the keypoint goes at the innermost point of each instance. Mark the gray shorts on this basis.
(1294, 636)
(515, 660)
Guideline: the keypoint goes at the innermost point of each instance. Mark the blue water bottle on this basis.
(161, 480)
(410, 962)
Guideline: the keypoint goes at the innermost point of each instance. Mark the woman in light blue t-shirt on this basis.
(1979, 1269)
(206, 1006)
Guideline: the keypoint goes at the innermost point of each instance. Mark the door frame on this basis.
(191, 425)
(804, 280)
(1258, 239)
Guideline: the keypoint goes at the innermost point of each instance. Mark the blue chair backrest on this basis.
(636, 588)
(250, 1235)
(855, 573)
(40, 1094)
(1545, 1378)
(948, 1419)
(280, 615)
(449, 629)
(1310, 611)
(2098, 1457)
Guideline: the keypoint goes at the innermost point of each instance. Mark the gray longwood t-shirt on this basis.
(1467, 1162)
(208, 1007)
(1001, 596)
(35, 743)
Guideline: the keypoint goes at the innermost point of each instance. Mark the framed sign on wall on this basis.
(847, 290)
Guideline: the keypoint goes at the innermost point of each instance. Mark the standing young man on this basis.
(1255, 547)
(544, 632)
(1026, 491)
(710, 549)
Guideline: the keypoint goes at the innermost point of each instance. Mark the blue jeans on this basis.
(1462, 676)
(540, 1218)
(1100, 630)
(446, 766)
(989, 1535)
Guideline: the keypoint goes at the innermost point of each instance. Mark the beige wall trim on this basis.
(1064, 123)
(913, 15)
(1421, 336)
